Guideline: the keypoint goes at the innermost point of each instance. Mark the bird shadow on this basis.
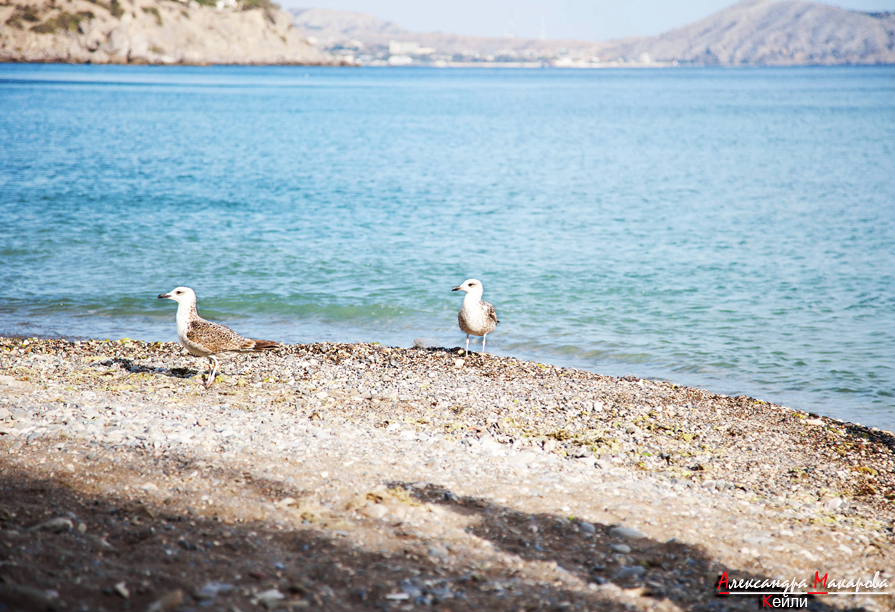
(135, 368)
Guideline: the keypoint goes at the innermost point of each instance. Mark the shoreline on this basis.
(709, 384)
(452, 457)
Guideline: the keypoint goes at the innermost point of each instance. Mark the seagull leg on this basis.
(467, 343)
(483, 342)
(213, 368)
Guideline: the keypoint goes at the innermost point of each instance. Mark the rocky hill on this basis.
(754, 32)
(763, 32)
(152, 32)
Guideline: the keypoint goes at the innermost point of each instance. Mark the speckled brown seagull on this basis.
(476, 316)
(205, 339)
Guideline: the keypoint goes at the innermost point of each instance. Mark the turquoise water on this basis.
(728, 229)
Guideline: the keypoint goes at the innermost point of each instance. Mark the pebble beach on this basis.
(358, 476)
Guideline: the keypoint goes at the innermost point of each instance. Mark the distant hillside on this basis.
(337, 30)
(754, 32)
(762, 32)
(334, 27)
(152, 31)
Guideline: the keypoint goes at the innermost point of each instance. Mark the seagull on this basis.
(205, 339)
(477, 317)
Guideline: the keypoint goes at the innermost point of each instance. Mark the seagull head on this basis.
(181, 295)
(471, 286)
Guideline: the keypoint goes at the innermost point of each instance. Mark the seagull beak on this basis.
(162, 296)
(456, 289)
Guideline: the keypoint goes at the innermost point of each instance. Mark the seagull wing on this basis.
(489, 311)
(217, 338)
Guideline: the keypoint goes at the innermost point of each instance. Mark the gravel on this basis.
(526, 475)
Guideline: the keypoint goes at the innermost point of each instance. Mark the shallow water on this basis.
(728, 229)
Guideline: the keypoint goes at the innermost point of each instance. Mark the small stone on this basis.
(628, 572)
(202, 422)
(121, 589)
(522, 459)
(398, 596)
(490, 446)
(210, 590)
(833, 503)
(623, 549)
(4, 414)
(82, 528)
(170, 601)
(439, 552)
(458, 363)
(374, 511)
(629, 533)
(56, 525)
(813, 422)
(587, 527)
(270, 598)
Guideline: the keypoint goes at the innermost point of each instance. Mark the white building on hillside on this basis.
(408, 48)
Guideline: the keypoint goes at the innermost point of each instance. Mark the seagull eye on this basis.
(178, 292)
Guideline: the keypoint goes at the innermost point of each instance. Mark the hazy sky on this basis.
(574, 19)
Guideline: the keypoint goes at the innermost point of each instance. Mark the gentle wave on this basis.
(727, 229)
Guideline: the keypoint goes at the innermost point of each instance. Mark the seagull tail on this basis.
(260, 345)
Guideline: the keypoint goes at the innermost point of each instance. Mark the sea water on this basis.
(730, 229)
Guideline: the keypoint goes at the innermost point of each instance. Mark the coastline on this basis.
(433, 464)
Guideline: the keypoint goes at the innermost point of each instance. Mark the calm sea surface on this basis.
(728, 229)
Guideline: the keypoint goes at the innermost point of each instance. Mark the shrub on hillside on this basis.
(248, 5)
(63, 21)
(151, 10)
(20, 14)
